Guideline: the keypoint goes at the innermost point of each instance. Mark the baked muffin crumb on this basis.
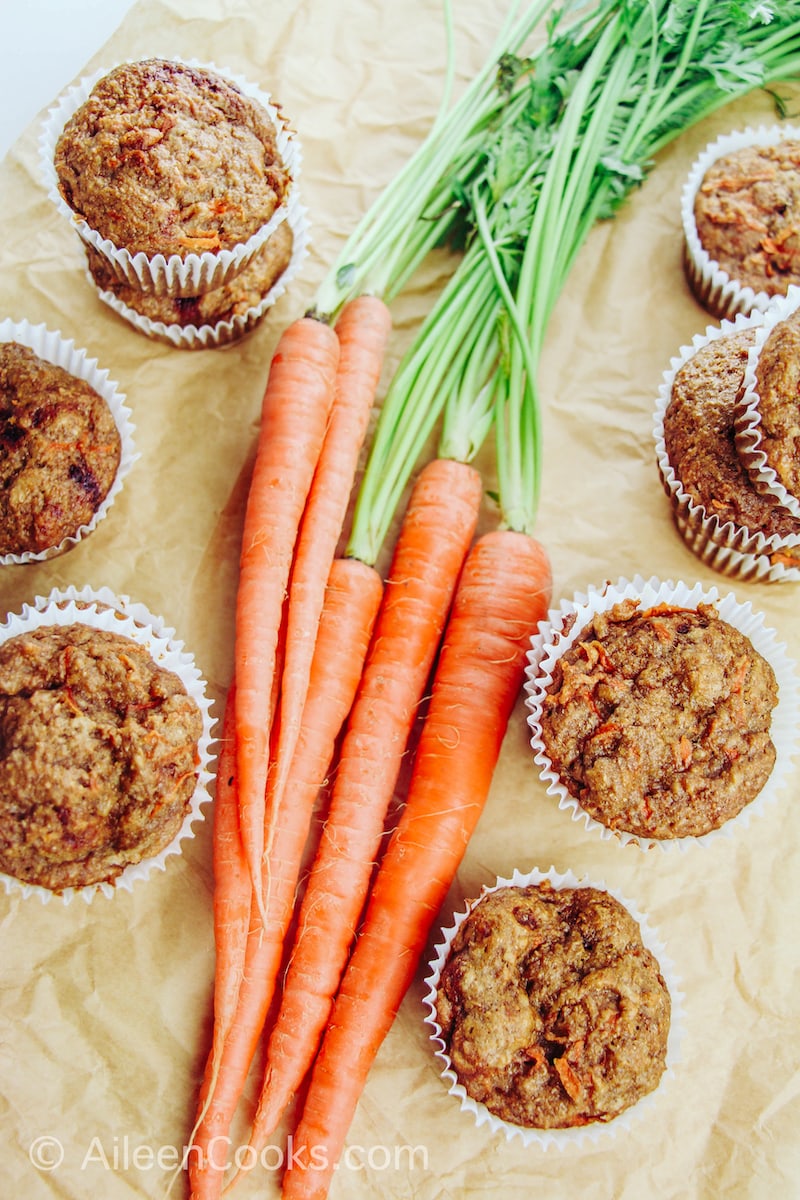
(658, 720)
(700, 441)
(98, 755)
(778, 386)
(167, 158)
(59, 452)
(234, 298)
(747, 211)
(553, 1011)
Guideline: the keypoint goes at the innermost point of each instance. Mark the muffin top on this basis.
(234, 298)
(700, 438)
(778, 386)
(553, 1011)
(98, 755)
(746, 213)
(165, 158)
(59, 451)
(658, 720)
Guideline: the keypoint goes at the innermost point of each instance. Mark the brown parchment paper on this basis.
(105, 1014)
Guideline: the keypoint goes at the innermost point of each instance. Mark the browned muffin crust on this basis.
(168, 159)
(658, 721)
(747, 215)
(98, 755)
(59, 451)
(234, 298)
(553, 1011)
(778, 386)
(700, 440)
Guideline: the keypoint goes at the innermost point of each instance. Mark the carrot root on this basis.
(503, 593)
(362, 330)
(232, 895)
(348, 616)
(435, 534)
(294, 415)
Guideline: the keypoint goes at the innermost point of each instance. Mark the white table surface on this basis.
(44, 45)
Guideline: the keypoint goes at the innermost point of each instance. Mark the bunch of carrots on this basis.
(331, 667)
(333, 664)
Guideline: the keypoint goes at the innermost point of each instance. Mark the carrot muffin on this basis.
(553, 1011)
(777, 381)
(98, 755)
(699, 439)
(59, 452)
(167, 158)
(234, 298)
(747, 215)
(658, 720)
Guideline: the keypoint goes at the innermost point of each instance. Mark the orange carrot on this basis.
(352, 601)
(232, 896)
(351, 605)
(294, 415)
(232, 886)
(435, 534)
(363, 329)
(503, 593)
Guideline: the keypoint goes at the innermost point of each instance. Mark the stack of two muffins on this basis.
(727, 407)
(182, 184)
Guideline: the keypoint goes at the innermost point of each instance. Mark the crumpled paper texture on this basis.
(105, 1017)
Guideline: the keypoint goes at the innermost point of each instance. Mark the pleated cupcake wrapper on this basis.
(231, 329)
(49, 345)
(749, 440)
(102, 609)
(726, 560)
(176, 275)
(552, 640)
(731, 549)
(712, 285)
(598, 1131)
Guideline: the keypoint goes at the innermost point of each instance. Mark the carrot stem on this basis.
(412, 405)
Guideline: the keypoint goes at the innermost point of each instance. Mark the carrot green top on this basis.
(538, 148)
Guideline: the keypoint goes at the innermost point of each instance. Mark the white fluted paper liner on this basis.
(561, 1139)
(731, 549)
(207, 337)
(749, 442)
(103, 609)
(50, 346)
(713, 286)
(174, 276)
(550, 642)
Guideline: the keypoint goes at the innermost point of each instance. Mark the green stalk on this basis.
(412, 406)
(446, 356)
(539, 279)
(575, 197)
(571, 201)
(550, 244)
(469, 405)
(686, 56)
(432, 228)
(373, 253)
(513, 401)
(782, 68)
(610, 92)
